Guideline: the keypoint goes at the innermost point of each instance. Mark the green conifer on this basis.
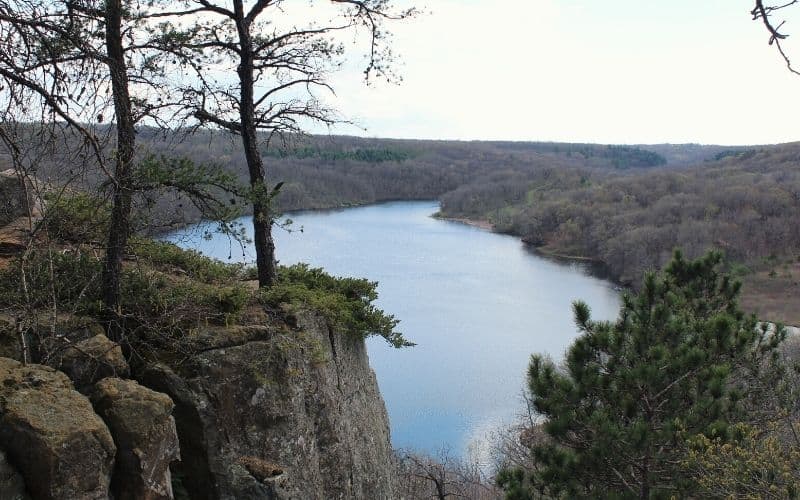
(618, 411)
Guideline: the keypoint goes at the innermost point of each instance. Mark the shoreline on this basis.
(600, 269)
(336, 208)
(549, 253)
(480, 223)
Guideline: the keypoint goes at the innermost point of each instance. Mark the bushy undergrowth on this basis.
(71, 278)
(168, 256)
(153, 296)
(168, 290)
(76, 217)
(346, 303)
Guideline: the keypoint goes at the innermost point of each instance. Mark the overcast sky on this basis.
(604, 71)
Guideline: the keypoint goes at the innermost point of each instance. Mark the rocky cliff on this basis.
(273, 410)
(279, 412)
(220, 390)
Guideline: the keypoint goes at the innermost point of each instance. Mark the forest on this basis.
(745, 205)
(624, 207)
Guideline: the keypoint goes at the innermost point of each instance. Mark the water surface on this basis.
(476, 303)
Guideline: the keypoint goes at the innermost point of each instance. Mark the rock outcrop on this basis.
(140, 420)
(265, 411)
(268, 412)
(52, 435)
(12, 486)
(13, 197)
(87, 361)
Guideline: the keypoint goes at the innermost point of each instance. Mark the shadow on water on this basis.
(592, 267)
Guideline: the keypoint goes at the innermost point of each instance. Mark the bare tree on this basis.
(443, 477)
(67, 65)
(281, 63)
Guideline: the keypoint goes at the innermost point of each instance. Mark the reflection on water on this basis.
(476, 303)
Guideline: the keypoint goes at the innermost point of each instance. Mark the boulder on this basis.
(52, 435)
(141, 423)
(13, 197)
(10, 345)
(90, 360)
(273, 412)
(14, 236)
(12, 486)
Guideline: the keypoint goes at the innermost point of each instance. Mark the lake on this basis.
(477, 304)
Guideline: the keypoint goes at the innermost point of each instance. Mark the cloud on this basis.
(622, 72)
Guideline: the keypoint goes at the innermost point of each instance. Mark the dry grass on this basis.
(774, 294)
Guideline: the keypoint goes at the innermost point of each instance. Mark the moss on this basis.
(262, 379)
(317, 354)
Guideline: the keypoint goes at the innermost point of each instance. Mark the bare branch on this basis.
(762, 12)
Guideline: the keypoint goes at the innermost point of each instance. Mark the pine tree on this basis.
(619, 411)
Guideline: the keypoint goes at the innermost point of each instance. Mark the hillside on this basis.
(624, 206)
(745, 204)
(333, 171)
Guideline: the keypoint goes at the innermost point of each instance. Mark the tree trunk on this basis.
(262, 216)
(119, 228)
(644, 491)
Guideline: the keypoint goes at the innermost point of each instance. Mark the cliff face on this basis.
(279, 413)
(50, 434)
(278, 406)
(273, 412)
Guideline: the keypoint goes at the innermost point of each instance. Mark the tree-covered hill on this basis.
(625, 206)
(332, 171)
(745, 204)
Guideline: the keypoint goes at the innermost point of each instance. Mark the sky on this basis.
(600, 71)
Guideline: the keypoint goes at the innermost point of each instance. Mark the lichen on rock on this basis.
(250, 405)
(51, 433)
(141, 423)
(90, 360)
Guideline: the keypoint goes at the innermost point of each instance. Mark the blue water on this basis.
(476, 303)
